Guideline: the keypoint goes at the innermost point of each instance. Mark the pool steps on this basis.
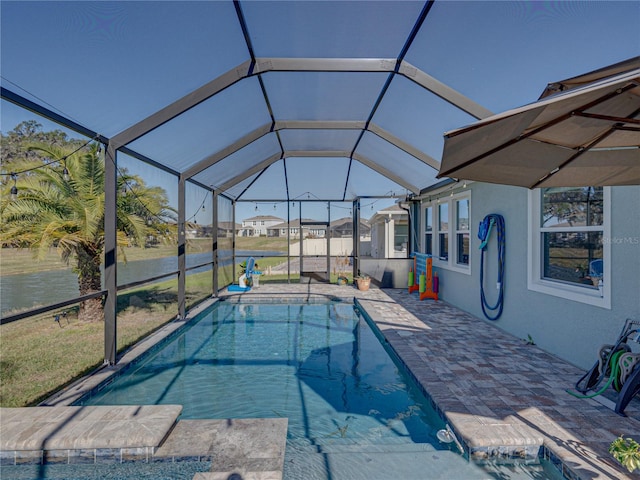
(253, 448)
(95, 434)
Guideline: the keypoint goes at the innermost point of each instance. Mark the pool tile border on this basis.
(93, 456)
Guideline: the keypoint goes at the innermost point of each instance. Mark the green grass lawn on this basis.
(39, 356)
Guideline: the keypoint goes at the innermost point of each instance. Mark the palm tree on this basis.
(63, 207)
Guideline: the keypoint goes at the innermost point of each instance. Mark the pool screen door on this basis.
(315, 241)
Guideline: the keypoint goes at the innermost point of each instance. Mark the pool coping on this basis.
(484, 437)
(84, 435)
(149, 434)
(524, 444)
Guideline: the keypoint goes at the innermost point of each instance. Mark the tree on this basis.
(67, 212)
(12, 145)
(580, 206)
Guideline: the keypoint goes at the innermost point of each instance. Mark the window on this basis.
(447, 231)
(428, 230)
(568, 254)
(462, 231)
(400, 235)
(443, 231)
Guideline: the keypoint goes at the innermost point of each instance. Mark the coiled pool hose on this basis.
(484, 233)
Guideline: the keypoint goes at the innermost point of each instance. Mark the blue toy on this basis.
(246, 279)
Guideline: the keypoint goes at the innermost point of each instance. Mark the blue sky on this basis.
(110, 64)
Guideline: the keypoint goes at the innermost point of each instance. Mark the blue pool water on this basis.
(319, 365)
(352, 412)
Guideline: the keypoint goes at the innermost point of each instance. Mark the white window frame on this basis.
(457, 231)
(576, 293)
(437, 253)
(452, 201)
(423, 222)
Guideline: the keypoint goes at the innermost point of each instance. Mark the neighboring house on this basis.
(196, 230)
(343, 227)
(309, 229)
(247, 231)
(258, 225)
(226, 229)
(571, 260)
(389, 233)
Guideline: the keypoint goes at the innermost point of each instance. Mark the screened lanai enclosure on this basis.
(302, 134)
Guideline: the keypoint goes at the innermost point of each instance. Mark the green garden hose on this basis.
(613, 363)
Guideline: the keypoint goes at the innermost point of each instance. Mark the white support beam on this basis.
(230, 149)
(319, 125)
(443, 91)
(181, 105)
(404, 146)
(387, 173)
(317, 153)
(251, 171)
(264, 65)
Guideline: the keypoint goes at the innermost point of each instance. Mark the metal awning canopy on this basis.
(223, 92)
(280, 100)
(274, 96)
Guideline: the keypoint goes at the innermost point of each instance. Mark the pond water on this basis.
(33, 289)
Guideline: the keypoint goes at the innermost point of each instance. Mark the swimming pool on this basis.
(353, 413)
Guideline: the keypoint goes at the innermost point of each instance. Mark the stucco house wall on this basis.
(572, 330)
